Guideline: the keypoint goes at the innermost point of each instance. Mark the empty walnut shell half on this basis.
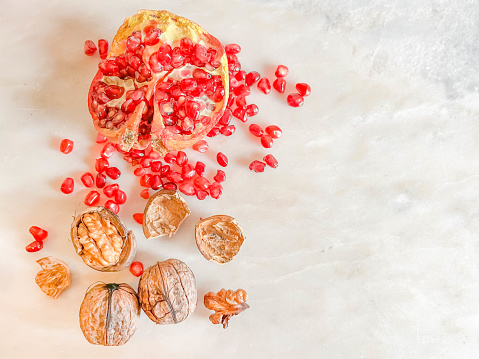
(109, 314)
(167, 292)
(102, 241)
(164, 212)
(54, 277)
(219, 238)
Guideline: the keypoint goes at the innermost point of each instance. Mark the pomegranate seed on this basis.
(164, 170)
(274, 131)
(252, 110)
(139, 171)
(154, 155)
(111, 190)
(100, 180)
(145, 180)
(181, 158)
(220, 176)
(155, 166)
(266, 141)
(255, 130)
(270, 161)
(138, 217)
(264, 86)
(112, 206)
(108, 150)
(228, 130)
(120, 197)
(216, 190)
(113, 172)
(67, 185)
(156, 182)
(232, 49)
(214, 131)
(257, 166)
(35, 246)
(240, 114)
(241, 101)
(87, 179)
(38, 233)
(100, 138)
(222, 159)
(226, 118)
(170, 186)
(279, 85)
(295, 100)
(174, 177)
(242, 90)
(303, 89)
(136, 268)
(187, 188)
(101, 164)
(200, 168)
(281, 71)
(145, 162)
(66, 146)
(187, 172)
(201, 195)
(251, 78)
(201, 146)
(145, 193)
(92, 198)
(89, 48)
(240, 75)
(103, 48)
(201, 182)
(170, 158)
(153, 37)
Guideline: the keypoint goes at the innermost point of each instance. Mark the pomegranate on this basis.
(163, 84)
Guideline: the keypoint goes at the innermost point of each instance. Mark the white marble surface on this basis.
(362, 244)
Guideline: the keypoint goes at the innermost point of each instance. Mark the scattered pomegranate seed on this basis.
(155, 166)
(216, 190)
(170, 158)
(279, 85)
(295, 100)
(66, 146)
(251, 78)
(112, 206)
(281, 71)
(240, 75)
(100, 138)
(220, 176)
(255, 130)
(303, 89)
(228, 130)
(100, 180)
(145, 162)
(111, 189)
(138, 217)
(257, 166)
(201, 194)
(113, 172)
(120, 197)
(264, 85)
(187, 188)
(202, 182)
(170, 186)
(145, 193)
(164, 170)
(145, 180)
(38, 233)
(89, 48)
(266, 141)
(201, 146)
(181, 158)
(232, 49)
(108, 150)
(270, 161)
(67, 185)
(35, 246)
(136, 268)
(139, 171)
(222, 159)
(274, 131)
(175, 177)
(199, 168)
(252, 110)
(103, 48)
(87, 179)
(101, 164)
(92, 198)
(156, 182)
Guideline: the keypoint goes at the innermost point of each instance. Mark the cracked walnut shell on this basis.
(109, 314)
(225, 303)
(167, 292)
(164, 212)
(219, 238)
(54, 277)
(102, 241)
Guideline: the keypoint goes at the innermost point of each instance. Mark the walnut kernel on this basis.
(225, 303)
(54, 277)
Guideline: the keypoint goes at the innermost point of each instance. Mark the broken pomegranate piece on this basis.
(164, 84)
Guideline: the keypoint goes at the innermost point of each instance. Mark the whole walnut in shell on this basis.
(167, 292)
(109, 314)
(102, 241)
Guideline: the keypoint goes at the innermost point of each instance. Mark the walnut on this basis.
(225, 303)
(164, 212)
(102, 241)
(167, 292)
(54, 277)
(109, 314)
(219, 238)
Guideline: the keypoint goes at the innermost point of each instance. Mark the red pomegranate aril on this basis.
(87, 179)
(112, 206)
(187, 188)
(255, 130)
(270, 161)
(181, 158)
(108, 150)
(145, 180)
(113, 172)
(89, 48)
(170, 158)
(251, 78)
(257, 166)
(101, 164)
(222, 159)
(295, 100)
(216, 190)
(145, 162)
(214, 132)
(242, 90)
(241, 101)
(66, 146)
(303, 89)
(252, 110)
(67, 185)
(103, 48)
(199, 168)
(111, 190)
(100, 138)
(120, 197)
(164, 170)
(175, 177)
(232, 49)
(202, 182)
(240, 114)
(155, 166)
(274, 131)
(114, 91)
(240, 75)
(201, 194)
(138, 217)
(92, 198)
(139, 171)
(279, 85)
(201, 146)
(38, 233)
(145, 193)
(226, 118)
(35, 246)
(281, 71)
(228, 130)
(266, 141)
(136, 268)
(170, 185)
(156, 182)
(153, 155)
(264, 86)
(220, 176)
(152, 38)
(100, 180)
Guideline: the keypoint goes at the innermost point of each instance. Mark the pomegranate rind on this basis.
(54, 277)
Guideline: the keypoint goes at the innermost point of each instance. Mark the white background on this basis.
(363, 243)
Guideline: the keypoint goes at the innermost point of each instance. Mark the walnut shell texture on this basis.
(109, 314)
(225, 303)
(102, 241)
(219, 238)
(167, 292)
(54, 277)
(164, 212)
